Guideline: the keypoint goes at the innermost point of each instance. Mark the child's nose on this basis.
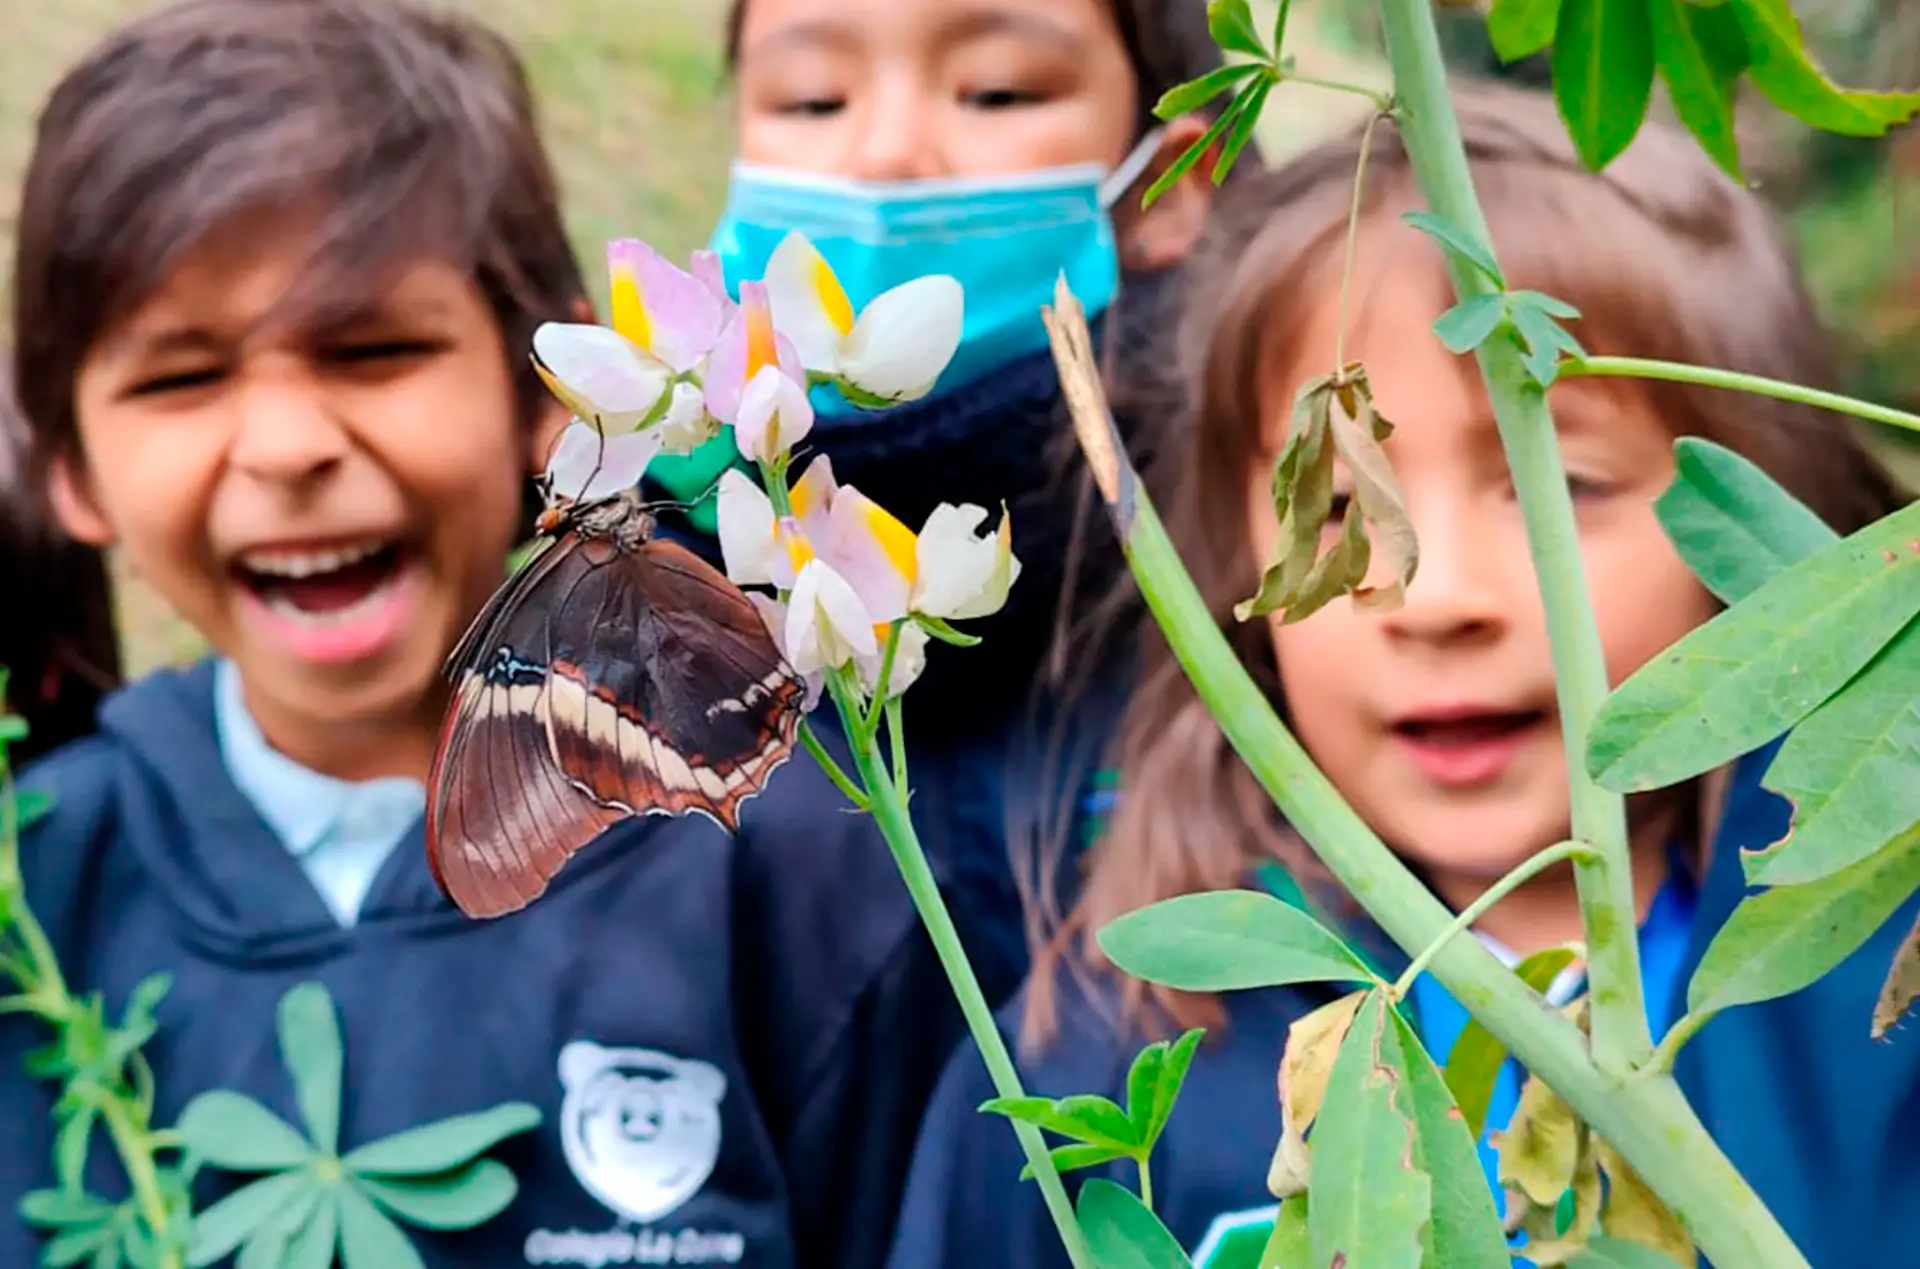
(897, 139)
(286, 432)
(1456, 594)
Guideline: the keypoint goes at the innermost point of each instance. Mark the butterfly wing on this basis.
(502, 818)
(671, 695)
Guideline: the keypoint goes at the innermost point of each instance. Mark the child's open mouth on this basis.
(1467, 747)
(331, 603)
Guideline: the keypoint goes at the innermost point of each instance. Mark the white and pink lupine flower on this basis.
(893, 350)
(755, 381)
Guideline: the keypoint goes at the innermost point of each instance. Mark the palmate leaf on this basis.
(232, 1131)
(310, 1046)
(460, 1199)
(1778, 942)
(368, 1239)
(1227, 940)
(1371, 1200)
(1759, 668)
(442, 1146)
(221, 1228)
(1154, 1082)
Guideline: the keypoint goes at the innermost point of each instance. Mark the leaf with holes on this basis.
(1371, 1200)
(1603, 75)
(1850, 772)
(1760, 667)
(1227, 940)
(1778, 942)
(1463, 1230)
(1733, 524)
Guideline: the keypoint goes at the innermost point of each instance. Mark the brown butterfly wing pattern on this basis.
(612, 676)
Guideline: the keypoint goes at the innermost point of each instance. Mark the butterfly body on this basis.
(614, 675)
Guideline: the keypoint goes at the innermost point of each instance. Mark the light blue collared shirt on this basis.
(341, 833)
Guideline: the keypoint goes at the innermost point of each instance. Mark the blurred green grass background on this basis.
(635, 107)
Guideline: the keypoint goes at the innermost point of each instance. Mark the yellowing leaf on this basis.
(1634, 1213)
(1313, 1043)
(1540, 1149)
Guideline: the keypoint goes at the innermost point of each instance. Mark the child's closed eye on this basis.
(379, 353)
(174, 380)
(811, 106)
(1001, 97)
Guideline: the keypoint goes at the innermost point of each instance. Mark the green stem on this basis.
(1499, 890)
(1146, 1183)
(136, 1155)
(1676, 1039)
(897, 742)
(890, 813)
(832, 768)
(1622, 1040)
(1733, 380)
(872, 719)
(1381, 101)
(1646, 1118)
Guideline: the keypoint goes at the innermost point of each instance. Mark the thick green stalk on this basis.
(1734, 381)
(1604, 880)
(896, 825)
(1643, 1115)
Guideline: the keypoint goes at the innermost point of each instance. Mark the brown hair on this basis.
(1664, 257)
(57, 643)
(1166, 42)
(413, 130)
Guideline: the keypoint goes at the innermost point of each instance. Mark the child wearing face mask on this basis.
(1438, 720)
(58, 644)
(1004, 142)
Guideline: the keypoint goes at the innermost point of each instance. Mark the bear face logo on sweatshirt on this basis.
(640, 1128)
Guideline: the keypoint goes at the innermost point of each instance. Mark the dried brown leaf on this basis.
(1902, 986)
(1634, 1213)
(1313, 1043)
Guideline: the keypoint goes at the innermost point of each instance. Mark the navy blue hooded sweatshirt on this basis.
(771, 993)
(1821, 1120)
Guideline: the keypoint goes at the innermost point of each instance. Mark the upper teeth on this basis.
(308, 563)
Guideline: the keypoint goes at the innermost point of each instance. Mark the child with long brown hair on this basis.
(1437, 720)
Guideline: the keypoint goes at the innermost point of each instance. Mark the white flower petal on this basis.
(687, 425)
(774, 613)
(586, 466)
(873, 551)
(905, 338)
(962, 574)
(826, 623)
(909, 661)
(774, 415)
(810, 307)
(748, 543)
(603, 372)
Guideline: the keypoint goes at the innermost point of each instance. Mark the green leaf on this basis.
(30, 805)
(70, 1146)
(1702, 96)
(442, 1146)
(137, 1022)
(74, 1245)
(1253, 100)
(1463, 1230)
(1466, 325)
(1851, 770)
(310, 1245)
(106, 1257)
(232, 1220)
(1777, 942)
(1370, 1198)
(310, 1046)
(55, 1209)
(1071, 1158)
(1178, 169)
(945, 633)
(1613, 1253)
(1082, 1117)
(1732, 523)
(1230, 23)
(1536, 319)
(368, 1239)
(1521, 28)
(13, 729)
(232, 1131)
(1287, 1246)
(460, 1199)
(1152, 1091)
(1186, 98)
(1457, 241)
(1478, 1055)
(1122, 1233)
(1784, 72)
(1227, 940)
(1603, 75)
(1757, 669)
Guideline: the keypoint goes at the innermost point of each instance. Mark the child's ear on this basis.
(78, 511)
(1160, 236)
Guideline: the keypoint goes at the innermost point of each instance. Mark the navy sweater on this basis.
(783, 970)
(1823, 1122)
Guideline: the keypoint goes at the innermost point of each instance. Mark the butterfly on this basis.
(614, 674)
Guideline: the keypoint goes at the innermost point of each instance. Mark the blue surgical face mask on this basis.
(1006, 238)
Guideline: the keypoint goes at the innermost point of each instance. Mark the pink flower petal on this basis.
(873, 551)
(663, 309)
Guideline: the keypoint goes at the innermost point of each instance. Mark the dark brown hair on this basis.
(1166, 42)
(1665, 258)
(57, 641)
(411, 132)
